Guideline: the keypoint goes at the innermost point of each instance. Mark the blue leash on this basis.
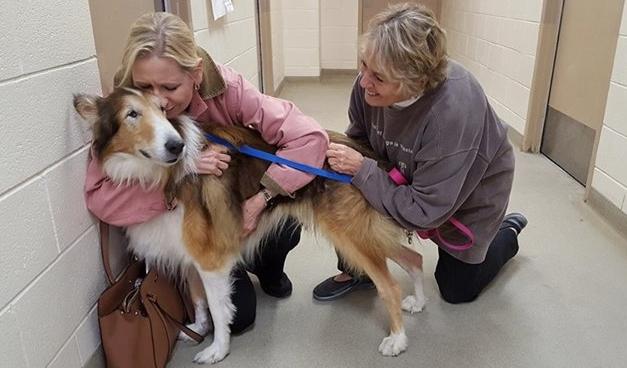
(253, 152)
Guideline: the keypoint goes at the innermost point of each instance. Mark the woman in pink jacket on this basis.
(162, 58)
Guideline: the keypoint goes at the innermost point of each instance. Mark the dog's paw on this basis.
(393, 344)
(201, 328)
(213, 354)
(413, 304)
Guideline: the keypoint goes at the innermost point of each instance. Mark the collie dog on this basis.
(136, 143)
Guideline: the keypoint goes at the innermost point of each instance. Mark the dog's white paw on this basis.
(213, 354)
(393, 344)
(413, 304)
(200, 328)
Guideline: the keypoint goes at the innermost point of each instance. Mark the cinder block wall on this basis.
(338, 34)
(301, 37)
(610, 172)
(497, 41)
(230, 40)
(49, 256)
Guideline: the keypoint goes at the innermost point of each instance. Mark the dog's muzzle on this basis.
(173, 147)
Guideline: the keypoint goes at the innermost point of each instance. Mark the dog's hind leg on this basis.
(411, 262)
(202, 322)
(388, 288)
(217, 285)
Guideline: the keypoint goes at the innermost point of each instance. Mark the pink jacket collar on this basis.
(197, 106)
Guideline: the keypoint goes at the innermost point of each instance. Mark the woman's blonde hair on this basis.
(161, 34)
(406, 44)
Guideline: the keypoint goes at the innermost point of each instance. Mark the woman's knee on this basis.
(455, 295)
(455, 291)
(289, 235)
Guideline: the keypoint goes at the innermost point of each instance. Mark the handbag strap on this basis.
(188, 331)
(104, 249)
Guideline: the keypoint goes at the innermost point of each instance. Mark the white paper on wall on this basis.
(221, 7)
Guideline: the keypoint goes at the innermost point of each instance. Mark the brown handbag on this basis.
(140, 315)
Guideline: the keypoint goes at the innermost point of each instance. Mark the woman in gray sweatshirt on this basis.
(429, 117)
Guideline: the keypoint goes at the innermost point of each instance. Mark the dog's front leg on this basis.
(202, 322)
(218, 290)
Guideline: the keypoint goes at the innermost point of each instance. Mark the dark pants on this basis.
(461, 282)
(268, 267)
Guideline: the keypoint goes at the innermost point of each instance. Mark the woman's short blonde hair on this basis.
(406, 44)
(161, 34)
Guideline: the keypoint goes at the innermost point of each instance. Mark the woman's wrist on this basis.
(267, 195)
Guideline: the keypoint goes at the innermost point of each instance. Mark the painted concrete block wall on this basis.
(497, 41)
(301, 37)
(338, 34)
(610, 172)
(49, 256)
(230, 40)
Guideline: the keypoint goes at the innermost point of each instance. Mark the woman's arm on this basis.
(120, 205)
(298, 137)
(428, 200)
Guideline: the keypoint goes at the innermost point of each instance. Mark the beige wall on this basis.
(301, 37)
(49, 257)
(338, 34)
(610, 172)
(497, 41)
(230, 40)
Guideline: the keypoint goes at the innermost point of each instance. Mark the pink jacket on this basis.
(281, 123)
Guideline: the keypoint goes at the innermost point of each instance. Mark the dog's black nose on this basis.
(174, 146)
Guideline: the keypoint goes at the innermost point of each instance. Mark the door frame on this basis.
(542, 74)
(264, 47)
(546, 55)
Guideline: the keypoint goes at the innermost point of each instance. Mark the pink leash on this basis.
(398, 179)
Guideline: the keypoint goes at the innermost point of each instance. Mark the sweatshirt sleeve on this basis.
(428, 201)
(120, 205)
(298, 137)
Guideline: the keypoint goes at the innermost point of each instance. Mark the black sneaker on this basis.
(516, 221)
(330, 289)
(277, 289)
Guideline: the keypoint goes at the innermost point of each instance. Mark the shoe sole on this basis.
(366, 286)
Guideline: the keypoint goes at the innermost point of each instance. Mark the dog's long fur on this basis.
(203, 231)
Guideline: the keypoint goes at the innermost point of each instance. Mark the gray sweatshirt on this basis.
(452, 148)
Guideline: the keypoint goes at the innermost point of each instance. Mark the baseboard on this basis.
(613, 214)
(279, 89)
(338, 72)
(313, 78)
(96, 360)
(514, 137)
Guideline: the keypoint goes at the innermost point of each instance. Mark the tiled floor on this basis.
(561, 302)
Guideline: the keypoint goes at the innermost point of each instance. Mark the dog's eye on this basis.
(132, 114)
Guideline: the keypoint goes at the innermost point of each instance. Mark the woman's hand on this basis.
(213, 160)
(344, 159)
(252, 208)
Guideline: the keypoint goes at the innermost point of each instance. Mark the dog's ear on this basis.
(87, 107)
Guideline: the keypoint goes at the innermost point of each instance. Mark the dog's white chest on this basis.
(160, 240)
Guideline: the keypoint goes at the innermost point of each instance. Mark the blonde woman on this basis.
(162, 58)
(430, 118)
